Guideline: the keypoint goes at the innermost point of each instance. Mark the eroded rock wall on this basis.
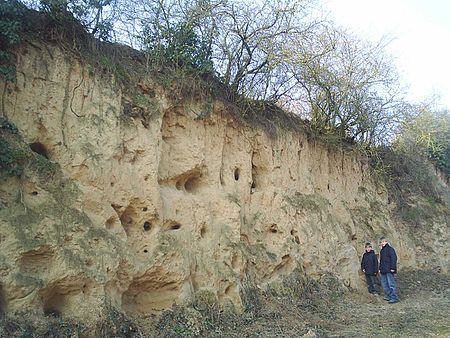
(154, 204)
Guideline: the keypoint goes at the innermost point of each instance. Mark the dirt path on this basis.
(423, 311)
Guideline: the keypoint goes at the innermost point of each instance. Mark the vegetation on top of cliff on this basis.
(416, 165)
(427, 134)
(271, 52)
(12, 27)
(274, 63)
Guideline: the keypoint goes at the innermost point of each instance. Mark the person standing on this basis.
(369, 265)
(388, 267)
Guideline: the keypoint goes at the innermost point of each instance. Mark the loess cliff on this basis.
(145, 201)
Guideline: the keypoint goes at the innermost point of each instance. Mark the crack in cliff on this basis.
(65, 104)
(73, 93)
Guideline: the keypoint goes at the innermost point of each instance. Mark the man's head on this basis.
(383, 241)
(368, 247)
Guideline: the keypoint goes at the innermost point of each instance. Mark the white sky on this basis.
(420, 30)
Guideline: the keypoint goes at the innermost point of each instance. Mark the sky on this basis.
(420, 34)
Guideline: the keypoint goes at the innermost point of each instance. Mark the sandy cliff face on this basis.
(153, 205)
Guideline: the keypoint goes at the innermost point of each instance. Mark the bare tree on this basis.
(248, 48)
(265, 50)
(349, 85)
(244, 40)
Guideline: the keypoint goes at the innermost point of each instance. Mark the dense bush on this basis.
(426, 133)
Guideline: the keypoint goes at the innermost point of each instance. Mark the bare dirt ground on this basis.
(326, 311)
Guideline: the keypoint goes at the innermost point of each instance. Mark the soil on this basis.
(299, 308)
(324, 311)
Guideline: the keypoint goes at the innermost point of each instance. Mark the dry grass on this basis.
(293, 309)
(323, 309)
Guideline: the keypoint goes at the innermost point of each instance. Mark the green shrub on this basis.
(178, 45)
(412, 183)
(12, 26)
(117, 324)
(177, 322)
(12, 159)
(30, 326)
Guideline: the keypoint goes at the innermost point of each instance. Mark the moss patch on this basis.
(308, 202)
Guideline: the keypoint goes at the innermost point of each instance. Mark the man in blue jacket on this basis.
(388, 267)
(369, 265)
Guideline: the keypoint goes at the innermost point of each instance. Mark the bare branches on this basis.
(349, 85)
(265, 50)
(246, 50)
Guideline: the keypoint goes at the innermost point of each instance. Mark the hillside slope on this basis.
(143, 201)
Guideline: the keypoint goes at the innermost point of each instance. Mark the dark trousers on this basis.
(371, 282)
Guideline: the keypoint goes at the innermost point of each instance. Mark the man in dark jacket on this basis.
(369, 265)
(388, 267)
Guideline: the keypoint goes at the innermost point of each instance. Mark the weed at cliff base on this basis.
(31, 326)
(117, 324)
(178, 322)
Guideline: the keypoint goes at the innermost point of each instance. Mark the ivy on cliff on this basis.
(12, 27)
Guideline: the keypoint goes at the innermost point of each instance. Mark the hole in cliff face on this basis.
(54, 305)
(63, 296)
(203, 231)
(259, 171)
(273, 229)
(144, 209)
(127, 217)
(147, 226)
(37, 262)
(192, 184)
(171, 225)
(34, 193)
(151, 292)
(190, 181)
(254, 177)
(39, 148)
(179, 185)
(236, 174)
(175, 226)
(296, 238)
(109, 224)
